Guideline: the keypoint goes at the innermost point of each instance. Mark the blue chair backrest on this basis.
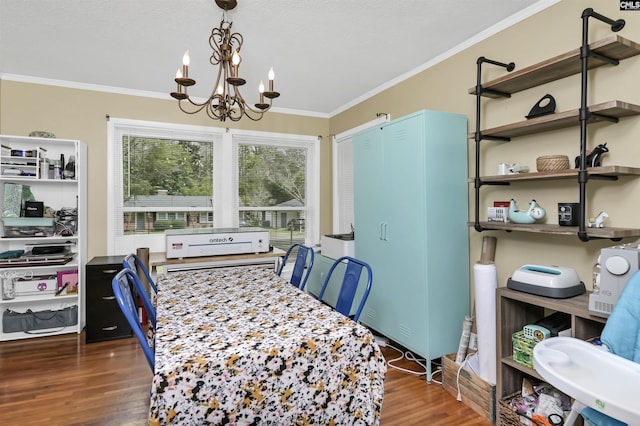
(141, 291)
(349, 287)
(121, 285)
(134, 263)
(298, 276)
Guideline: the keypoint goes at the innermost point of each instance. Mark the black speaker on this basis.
(33, 208)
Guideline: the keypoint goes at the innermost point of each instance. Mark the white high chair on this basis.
(605, 384)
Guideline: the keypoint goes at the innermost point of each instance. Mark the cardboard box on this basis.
(477, 394)
(523, 349)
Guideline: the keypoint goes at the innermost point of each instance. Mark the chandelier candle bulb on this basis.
(271, 77)
(185, 64)
(179, 76)
(235, 61)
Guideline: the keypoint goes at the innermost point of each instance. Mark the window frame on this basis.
(225, 191)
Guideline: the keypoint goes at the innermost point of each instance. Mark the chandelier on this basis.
(225, 101)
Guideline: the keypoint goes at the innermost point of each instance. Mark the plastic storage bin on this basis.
(28, 226)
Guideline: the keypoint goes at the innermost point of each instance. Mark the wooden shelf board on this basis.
(523, 368)
(577, 306)
(561, 120)
(564, 65)
(563, 174)
(610, 233)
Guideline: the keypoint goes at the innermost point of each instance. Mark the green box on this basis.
(523, 349)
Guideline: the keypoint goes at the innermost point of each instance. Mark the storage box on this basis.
(477, 394)
(38, 285)
(28, 226)
(523, 349)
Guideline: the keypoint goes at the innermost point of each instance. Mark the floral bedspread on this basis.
(242, 346)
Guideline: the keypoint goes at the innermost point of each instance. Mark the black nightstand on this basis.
(105, 320)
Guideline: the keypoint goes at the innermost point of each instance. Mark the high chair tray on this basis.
(591, 375)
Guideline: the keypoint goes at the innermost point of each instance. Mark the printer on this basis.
(196, 242)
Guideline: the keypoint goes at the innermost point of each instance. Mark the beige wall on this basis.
(79, 114)
(551, 32)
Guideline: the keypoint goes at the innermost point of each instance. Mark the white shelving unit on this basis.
(23, 162)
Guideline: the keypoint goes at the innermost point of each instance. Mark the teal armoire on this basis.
(411, 213)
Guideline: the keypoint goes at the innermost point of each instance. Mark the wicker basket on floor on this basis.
(548, 163)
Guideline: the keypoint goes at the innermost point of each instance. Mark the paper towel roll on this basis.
(486, 283)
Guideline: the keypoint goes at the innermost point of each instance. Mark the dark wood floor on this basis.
(62, 381)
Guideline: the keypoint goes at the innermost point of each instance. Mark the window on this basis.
(166, 176)
(275, 181)
(163, 181)
(343, 208)
(205, 217)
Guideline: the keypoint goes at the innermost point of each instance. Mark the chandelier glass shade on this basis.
(225, 101)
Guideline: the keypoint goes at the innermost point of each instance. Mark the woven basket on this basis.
(509, 417)
(548, 163)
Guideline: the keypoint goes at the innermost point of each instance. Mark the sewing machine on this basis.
(618, 264)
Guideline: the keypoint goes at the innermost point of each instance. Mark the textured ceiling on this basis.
(327, 54)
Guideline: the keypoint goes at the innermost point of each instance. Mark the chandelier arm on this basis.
(199, 108)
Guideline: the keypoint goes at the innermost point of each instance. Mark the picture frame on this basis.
(67, 282)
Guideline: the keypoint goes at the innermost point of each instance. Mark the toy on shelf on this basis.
(512, 169)
(598, 221)
(533, 213)
(594, 157)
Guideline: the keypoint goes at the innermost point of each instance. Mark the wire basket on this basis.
(549, 163)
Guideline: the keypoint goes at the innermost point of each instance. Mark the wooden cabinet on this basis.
(39, 252)
(411, 201)
(105, 320)
(607, 51)
(515, 310)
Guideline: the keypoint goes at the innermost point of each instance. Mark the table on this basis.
(243, 346)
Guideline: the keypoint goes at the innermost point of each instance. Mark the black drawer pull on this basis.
(111, 328)
(108, 297)
(110, 271)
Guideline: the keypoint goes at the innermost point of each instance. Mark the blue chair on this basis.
(121, 285)
(139, 287)
(304, 260)
(134, 263)
(349, 287)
